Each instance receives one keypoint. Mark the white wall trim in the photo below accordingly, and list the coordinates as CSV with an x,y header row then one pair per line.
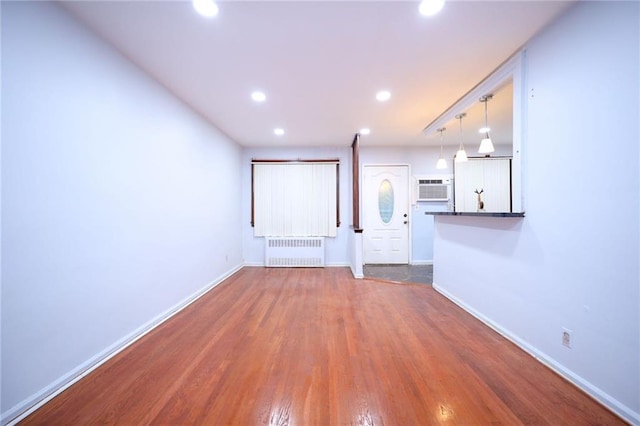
x,y
421,262
598,394
37,400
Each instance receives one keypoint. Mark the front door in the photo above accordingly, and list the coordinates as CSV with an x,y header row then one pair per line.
x,y
385,214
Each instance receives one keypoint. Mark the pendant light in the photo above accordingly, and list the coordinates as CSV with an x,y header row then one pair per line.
x,y
461,155
486,146
442,163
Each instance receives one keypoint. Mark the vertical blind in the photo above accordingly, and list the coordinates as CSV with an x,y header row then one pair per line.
x,y
295,199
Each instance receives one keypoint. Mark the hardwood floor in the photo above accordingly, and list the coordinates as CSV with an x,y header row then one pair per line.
x,y
316,347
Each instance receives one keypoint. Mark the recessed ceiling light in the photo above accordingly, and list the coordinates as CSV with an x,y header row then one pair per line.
x,y
365,131
430,7
278,131
207,8
258,96
383,95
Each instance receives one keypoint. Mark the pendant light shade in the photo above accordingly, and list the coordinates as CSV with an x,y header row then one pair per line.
x,y
486,145
442,163
461,155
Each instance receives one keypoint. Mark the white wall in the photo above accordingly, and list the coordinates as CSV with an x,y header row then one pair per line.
x,y
573,261
337,249
119,203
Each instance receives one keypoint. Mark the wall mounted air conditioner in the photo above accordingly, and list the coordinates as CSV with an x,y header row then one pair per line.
x,y
433,188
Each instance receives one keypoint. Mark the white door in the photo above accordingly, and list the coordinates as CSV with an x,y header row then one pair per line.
x,y
385,214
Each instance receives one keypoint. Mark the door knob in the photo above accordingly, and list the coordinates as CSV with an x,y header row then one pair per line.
x,y
405,222
405,215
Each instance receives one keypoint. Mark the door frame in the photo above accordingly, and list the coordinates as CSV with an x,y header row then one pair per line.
x,y
410,197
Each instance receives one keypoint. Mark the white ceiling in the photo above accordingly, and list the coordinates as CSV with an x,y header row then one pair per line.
x,y
321,62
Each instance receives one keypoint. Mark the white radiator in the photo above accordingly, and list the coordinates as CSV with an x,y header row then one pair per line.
x,y
288,252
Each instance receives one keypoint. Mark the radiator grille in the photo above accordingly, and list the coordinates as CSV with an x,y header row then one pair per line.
x,y
433,192
294,252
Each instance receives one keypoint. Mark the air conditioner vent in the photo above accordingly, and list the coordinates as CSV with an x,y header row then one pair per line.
x,y
433,188
433,192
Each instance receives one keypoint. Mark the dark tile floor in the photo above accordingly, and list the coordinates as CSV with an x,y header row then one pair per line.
x,y
422,274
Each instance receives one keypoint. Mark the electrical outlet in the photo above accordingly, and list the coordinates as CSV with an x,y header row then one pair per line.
x,y
566,337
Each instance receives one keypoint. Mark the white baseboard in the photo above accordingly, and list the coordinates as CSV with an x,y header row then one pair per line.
x,y
37,400
338,265
422,262
356,275
327,265
598,394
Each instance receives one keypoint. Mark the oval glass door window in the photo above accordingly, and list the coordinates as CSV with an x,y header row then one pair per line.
x,y
385,201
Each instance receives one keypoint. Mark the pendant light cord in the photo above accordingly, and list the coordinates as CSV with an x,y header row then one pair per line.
x,y
460,116
486,99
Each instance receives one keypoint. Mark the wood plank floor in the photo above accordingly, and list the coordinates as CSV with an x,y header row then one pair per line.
x,y
316,347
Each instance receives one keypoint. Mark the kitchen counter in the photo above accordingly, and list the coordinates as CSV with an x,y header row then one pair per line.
x,y
478,214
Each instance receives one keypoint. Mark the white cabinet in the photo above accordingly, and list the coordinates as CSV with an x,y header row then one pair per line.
x,y
483,185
